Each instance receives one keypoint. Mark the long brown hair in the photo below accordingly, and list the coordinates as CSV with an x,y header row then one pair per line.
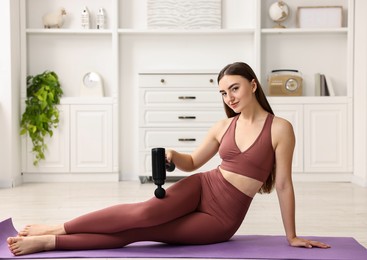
x,y
244,70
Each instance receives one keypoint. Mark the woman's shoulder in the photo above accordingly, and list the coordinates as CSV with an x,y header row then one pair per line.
x,y
281,126
281,122
282,134
220,127
224,123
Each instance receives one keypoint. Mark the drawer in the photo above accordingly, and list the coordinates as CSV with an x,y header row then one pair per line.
x,y
186,98
178,80
171,138
181,118
146,165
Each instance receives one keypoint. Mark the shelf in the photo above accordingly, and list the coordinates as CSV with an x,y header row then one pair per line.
x,y
140,31
235,31
309,100
199,31
67,31
87,100
179,71
303,30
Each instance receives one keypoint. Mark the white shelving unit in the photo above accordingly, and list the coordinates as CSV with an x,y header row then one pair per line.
x,y
85,145
323,125
126,48
176,110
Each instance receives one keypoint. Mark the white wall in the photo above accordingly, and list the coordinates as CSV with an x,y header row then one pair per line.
x,y
360,94
9,94
5,91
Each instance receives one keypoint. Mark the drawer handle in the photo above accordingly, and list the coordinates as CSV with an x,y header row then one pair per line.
x,y
187,117
186,139
186,97
211,80
163,81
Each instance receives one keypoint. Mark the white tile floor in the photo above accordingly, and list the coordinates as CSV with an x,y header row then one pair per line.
x,y
323,209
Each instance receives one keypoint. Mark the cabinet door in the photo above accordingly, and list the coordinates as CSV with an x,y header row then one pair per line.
x,y
57,154
326,138
91,138
294,114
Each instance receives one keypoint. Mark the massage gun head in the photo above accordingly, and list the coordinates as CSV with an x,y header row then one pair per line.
x,y
160,192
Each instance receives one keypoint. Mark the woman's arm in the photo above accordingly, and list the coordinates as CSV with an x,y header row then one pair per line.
x,y
202,154
285,142
284,147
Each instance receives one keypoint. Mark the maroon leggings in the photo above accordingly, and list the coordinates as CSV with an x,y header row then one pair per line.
x,y
200,209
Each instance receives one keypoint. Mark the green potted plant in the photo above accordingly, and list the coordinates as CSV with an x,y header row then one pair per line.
x,y
41,114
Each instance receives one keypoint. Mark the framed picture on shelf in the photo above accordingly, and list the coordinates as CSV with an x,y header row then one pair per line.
x,y
184,14
319,16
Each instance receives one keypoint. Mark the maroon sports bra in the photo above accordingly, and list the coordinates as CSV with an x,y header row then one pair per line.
x,y
255,162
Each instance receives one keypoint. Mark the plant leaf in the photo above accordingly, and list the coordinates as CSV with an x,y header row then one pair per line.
x,y
41,114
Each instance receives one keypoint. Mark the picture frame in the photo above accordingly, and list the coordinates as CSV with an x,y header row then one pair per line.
x,y
184,14
319,16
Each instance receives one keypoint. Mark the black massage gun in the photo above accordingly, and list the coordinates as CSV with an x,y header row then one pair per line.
x,y
159,167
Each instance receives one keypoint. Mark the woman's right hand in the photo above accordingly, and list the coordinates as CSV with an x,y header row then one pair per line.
x,y
169,155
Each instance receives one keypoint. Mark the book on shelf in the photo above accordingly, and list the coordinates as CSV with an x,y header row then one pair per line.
x,y
323,85
329,85
317,84
324,90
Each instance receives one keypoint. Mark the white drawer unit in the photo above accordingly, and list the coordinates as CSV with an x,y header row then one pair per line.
x,y
176,112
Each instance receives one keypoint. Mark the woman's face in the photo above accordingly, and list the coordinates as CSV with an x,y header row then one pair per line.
x,y
237,92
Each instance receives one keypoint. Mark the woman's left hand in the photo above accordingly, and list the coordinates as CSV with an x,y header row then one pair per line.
x,y
297,241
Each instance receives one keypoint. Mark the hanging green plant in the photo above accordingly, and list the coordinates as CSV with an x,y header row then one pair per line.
x,y
41,114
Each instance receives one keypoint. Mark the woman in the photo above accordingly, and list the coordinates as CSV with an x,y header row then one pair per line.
x,y
256,150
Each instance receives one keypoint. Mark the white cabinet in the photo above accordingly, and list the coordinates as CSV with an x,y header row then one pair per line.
x,y
85,145
294,114
326,138
176,112
57,154
322,125
323,138
91,138
81,144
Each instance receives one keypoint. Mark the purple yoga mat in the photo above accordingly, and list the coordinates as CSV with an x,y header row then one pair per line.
x,y
239,247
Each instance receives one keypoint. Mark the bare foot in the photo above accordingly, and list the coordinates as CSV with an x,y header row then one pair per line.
x,y
29,245
40,230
